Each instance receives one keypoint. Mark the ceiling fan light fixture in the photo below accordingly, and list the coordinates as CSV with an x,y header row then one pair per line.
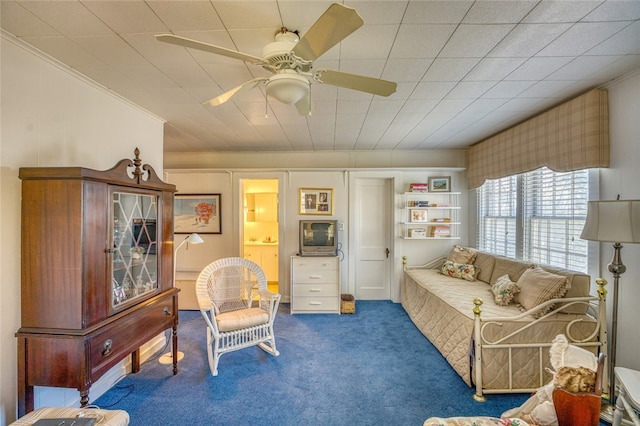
x,y
288,87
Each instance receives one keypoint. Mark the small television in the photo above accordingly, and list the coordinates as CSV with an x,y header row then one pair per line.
x,y
318,237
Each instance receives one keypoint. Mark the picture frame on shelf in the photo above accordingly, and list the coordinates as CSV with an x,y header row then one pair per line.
x,y
316,201
418,216
197,213
440,184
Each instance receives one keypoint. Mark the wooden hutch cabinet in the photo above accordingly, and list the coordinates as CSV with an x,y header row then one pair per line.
x,y
97,273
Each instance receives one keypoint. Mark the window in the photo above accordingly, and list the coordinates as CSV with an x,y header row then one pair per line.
x,y
536,216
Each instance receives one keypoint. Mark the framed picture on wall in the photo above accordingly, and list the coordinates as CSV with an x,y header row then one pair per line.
x,y
316,201
197,213
440,184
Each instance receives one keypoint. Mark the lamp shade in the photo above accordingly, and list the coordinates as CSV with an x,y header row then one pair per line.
x,y
615,221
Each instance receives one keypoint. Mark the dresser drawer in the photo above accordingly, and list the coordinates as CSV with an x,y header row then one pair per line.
x,y
315,277
315,263
319,304
315,290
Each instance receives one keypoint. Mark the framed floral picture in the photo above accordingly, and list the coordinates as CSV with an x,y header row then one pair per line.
x,y
197,213
316,201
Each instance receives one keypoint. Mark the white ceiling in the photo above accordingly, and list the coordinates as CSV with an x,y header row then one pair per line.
x,y
465,69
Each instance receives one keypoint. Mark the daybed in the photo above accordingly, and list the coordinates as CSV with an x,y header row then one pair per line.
x,y
501,348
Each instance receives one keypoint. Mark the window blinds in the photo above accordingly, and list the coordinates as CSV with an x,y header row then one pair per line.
x,y
536,216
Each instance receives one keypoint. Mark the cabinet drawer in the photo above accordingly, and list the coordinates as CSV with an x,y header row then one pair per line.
x,y
316,304
315,290
315,263
117,340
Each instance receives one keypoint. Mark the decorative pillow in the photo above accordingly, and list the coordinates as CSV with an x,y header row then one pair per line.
x,y
504,290
538,286
461,254
459,270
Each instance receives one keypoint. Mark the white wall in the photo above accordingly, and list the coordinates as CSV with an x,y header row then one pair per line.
x,y
623,177
53,117
227,183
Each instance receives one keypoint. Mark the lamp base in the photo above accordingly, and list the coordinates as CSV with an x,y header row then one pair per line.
x,y
168,358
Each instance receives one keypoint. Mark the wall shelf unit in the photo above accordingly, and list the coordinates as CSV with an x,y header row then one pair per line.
x,y
430,215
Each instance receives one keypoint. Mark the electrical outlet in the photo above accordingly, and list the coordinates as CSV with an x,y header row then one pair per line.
x,y
340,226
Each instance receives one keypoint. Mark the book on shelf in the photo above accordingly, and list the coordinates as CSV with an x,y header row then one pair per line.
x,y
419,187
442,219
440,231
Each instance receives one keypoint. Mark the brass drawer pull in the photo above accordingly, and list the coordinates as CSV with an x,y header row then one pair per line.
x,y
107,347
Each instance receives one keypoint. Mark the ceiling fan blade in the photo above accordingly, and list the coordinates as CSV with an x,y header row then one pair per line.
x,y
335,24
218,100
361,83
305,106
194,44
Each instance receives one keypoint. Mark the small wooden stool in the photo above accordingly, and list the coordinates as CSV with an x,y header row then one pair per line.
x,y
103,417
629,396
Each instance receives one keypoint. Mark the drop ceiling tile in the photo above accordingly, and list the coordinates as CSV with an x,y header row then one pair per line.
x,y
127,17
373,41
421,41
538,68
451,105
111,50
188,76
186,15
627,41
379,12
432,90
528,39
493,69
583,67
472,41
22,23
580,38
619,10
249,14
405,70
470,89
548,89
561,11
450,69
353,107
69,18
507,89
436,12
498,12
66,51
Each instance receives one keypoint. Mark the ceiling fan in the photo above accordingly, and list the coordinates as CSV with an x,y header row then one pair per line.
x,y
290,59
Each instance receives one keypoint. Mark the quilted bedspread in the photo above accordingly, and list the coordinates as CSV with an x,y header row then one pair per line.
x,y
442,308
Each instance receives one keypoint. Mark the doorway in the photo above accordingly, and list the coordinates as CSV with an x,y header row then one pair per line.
x,y
373,230
260,226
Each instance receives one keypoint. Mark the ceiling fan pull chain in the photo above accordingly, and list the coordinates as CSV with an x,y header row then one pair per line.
x,y
266,107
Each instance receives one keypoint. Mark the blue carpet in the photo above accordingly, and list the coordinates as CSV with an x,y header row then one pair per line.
x,y
371,367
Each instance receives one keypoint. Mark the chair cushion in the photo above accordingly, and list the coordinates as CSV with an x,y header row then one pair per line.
x,y
242,318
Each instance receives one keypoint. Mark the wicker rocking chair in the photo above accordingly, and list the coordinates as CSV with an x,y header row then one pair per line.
x,y
237,307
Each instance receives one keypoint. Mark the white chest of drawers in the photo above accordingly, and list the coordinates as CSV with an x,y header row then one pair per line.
x,y
315,285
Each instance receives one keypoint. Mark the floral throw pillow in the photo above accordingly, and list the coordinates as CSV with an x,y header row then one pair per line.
x,y
459,270
504,290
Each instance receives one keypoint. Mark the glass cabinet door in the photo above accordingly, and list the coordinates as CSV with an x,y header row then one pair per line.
x,y
134,261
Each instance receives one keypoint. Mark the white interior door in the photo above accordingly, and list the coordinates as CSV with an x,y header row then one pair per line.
x,y
373,239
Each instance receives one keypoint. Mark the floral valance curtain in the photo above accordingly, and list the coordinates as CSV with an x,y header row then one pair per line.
x,y
571,136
